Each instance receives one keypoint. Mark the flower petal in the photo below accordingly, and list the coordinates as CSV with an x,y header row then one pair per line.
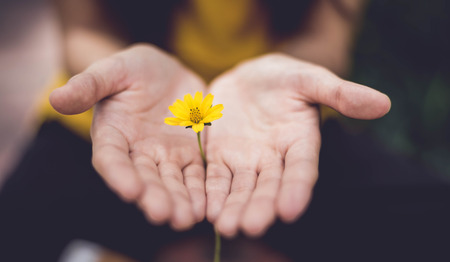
x,y
173,121
189,100
187,123
206,104
179,113
198,127
198,99
211,117
181,105
214,109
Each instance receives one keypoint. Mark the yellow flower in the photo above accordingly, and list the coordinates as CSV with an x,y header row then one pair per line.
x,y
194,112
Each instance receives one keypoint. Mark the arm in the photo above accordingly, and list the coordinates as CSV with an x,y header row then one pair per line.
x,y
89,33
328,35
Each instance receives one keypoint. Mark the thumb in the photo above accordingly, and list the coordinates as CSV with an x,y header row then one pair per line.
x,y
348,98
102,79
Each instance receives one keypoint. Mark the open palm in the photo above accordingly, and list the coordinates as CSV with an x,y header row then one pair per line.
x,y
140,157
263,155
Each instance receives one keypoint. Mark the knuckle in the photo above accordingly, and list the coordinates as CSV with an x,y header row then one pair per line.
x,y
264,200
338,95
241,187
89,83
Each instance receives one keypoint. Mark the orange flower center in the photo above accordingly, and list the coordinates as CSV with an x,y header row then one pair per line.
x,y
195,115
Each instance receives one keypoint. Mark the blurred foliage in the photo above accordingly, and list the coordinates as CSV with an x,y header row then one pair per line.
x,y
403,51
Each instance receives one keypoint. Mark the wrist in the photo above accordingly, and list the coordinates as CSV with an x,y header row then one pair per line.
x,y
83,47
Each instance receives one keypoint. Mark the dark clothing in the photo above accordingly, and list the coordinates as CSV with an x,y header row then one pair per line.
x,y
149,21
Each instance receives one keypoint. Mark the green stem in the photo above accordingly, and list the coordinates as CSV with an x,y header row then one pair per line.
x,y
217,249
201,148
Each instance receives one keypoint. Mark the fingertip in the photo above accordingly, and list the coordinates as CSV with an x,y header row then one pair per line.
x,y
385,105
198,206
183,218
255,224
57,100
156,219
227,225
130,190
157,206
199,211
292,203
77,95
53,97
253,229
129,187
212,211
355,100
376,107
254,232
226,228
182,225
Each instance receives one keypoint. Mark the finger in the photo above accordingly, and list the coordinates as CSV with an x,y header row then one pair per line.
x,y
351,99
156,201
102,79
111,160
299,176
183,215
194,179
260,211
218,182
242,187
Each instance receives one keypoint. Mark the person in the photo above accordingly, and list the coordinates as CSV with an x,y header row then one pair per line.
x,y
263,155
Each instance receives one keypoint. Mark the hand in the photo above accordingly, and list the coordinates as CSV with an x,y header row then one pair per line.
x,y
263,154
140,157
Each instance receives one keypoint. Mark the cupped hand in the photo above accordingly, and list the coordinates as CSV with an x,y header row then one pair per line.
x,y
263,154
141,158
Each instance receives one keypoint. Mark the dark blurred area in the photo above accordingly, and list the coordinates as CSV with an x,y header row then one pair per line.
x,y
404,51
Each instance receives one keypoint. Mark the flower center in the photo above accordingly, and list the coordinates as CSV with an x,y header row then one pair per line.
x,y
195,115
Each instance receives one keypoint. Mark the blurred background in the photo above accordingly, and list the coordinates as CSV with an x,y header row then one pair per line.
x,y
413,69
402,50
29,57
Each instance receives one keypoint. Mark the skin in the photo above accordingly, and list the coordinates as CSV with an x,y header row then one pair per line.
x,y
145,161
262,155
